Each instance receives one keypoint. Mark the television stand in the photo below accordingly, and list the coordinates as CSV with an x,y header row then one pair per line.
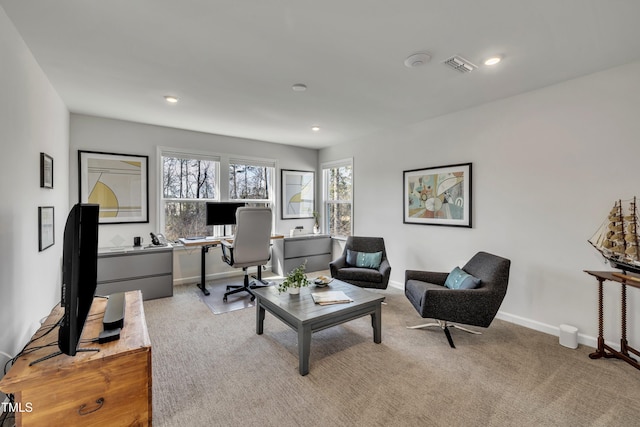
x,y
58,353
112,387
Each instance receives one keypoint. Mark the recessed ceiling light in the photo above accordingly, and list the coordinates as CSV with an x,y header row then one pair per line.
x,y
299,87
492,60
315,128
171,99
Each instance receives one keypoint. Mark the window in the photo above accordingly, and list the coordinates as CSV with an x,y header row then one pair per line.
x,y
338,197
188,183
191,179
250,180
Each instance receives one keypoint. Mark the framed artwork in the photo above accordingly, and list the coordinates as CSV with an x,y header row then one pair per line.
x,y
119,183
298,192
46,235
46,171
438,196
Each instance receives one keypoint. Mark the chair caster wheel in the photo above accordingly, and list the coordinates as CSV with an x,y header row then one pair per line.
x,y
253,298
224,299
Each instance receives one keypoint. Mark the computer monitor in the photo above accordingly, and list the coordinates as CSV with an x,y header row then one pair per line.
x,y
222,213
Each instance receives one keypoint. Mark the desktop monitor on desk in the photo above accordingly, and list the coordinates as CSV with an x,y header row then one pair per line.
x,y
222,213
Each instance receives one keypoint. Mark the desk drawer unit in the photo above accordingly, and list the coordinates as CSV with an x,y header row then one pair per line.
x,y
292,252
150,270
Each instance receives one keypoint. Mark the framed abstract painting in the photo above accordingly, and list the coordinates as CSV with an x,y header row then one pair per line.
x,y
438,195
118,183
298,194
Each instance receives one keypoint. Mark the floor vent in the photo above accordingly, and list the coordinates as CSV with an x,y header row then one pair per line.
x,y
460,64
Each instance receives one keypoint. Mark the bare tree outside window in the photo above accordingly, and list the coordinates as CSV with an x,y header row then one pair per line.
x,y
187,184
249,182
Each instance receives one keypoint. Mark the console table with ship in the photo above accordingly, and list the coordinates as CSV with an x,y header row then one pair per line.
x,y
111,386
603,349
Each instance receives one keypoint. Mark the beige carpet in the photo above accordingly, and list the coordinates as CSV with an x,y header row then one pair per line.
x,y
213,370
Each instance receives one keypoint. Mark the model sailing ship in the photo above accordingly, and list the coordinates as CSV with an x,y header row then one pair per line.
x,y
617,239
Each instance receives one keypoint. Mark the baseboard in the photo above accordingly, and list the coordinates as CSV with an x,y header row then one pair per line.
x,y
549,329
396,285
220,275
209,276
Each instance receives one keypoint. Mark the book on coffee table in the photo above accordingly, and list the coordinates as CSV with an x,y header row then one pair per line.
x,y
330,297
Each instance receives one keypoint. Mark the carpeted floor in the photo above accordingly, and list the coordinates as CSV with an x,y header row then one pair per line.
x,y
214,370
217,289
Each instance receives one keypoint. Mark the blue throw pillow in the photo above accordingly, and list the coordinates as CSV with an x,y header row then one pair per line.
x,y
460,279
364,259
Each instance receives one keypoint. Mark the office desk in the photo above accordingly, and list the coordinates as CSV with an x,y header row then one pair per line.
x,y
205,244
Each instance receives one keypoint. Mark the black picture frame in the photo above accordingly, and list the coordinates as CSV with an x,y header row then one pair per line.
x,y
46,227
46,171
440,195
119,183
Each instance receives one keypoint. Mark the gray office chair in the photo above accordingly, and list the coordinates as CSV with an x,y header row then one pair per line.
x,y
428,295
250,246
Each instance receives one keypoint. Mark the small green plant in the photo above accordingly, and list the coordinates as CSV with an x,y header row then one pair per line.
x,y
295,279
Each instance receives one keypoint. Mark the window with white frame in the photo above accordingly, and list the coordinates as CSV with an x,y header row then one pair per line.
x,y
338,197
189,181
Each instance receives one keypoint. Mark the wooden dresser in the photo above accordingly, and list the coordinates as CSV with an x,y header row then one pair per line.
x,y
110,387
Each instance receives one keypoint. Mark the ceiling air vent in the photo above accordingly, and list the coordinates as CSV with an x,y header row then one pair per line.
x,y
458,63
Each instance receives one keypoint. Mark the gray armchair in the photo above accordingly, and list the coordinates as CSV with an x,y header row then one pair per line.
x,y
478,307
359,276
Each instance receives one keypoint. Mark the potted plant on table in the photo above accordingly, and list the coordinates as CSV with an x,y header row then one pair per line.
x,y
295,280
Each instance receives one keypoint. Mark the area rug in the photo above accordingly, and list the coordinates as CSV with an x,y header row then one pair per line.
x,y
217,288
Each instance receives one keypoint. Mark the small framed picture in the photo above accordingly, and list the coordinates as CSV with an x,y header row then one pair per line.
x,y
46,224
46,171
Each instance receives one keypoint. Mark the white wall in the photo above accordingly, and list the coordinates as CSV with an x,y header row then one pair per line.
x,y
33,119
547,167
117,136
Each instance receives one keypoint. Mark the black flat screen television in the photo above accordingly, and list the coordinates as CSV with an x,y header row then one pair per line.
x,y
222,213
79,271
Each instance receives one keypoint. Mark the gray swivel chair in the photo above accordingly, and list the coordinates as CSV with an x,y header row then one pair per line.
x,y
478,307
378,278
251,246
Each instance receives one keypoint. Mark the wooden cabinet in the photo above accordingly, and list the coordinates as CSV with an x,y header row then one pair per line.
x,y
149,269
109,387
291,252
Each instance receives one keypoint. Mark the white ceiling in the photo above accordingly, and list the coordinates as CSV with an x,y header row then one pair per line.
x,y
232,62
